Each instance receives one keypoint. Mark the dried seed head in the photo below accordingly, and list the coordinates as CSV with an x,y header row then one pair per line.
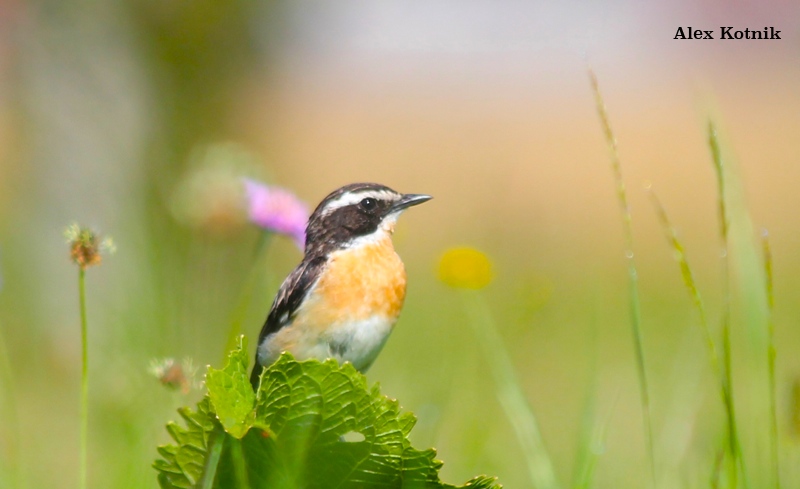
x,y
174,375
86,246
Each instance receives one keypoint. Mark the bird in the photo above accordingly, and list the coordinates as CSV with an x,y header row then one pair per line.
x,y
343,299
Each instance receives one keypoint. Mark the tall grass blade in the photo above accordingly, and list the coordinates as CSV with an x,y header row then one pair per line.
x,y
743,275
239,313
592,442
633,276
679,253
11,411
773,402
587,450
509,392
720,374
734,445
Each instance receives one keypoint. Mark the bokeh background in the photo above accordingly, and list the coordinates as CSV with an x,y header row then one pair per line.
x,y
133,116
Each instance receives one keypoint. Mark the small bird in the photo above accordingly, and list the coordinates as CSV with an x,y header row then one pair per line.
x,y
345,296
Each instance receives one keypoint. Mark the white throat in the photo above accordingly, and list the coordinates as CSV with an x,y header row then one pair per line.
x,y
384,232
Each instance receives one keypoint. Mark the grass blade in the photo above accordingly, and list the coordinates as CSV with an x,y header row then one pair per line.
x,y
744,276
592,443
773,402
633,276
723,374
734,444
239,313
679,253
12,465
587,452
509,392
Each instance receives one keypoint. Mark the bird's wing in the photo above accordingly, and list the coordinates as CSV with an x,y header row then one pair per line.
x,y
291,294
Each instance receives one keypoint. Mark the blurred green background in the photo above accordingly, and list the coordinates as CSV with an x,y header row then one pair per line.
x,y
131,116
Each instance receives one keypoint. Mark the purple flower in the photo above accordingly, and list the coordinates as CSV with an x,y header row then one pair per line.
x,y
276,209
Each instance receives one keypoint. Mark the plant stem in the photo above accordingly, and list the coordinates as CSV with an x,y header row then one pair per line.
x,y
215,445
239,469
730,411
633,276
734,444
721,372
84,378
776,464
12,414
509,392
239,313
688,279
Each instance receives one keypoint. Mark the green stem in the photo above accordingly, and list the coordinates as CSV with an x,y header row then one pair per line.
x,y
721,372
239,469
734,443
12,412
730,412
688,279
633,276
239,313
509,392
644,389
586,457
776,464
84,378
215,444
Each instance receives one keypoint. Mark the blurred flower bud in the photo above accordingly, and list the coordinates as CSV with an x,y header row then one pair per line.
x,y
465,268
277,210
209,196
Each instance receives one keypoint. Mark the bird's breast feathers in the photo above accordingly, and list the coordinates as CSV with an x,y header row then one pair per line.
x,y
350,310
365,280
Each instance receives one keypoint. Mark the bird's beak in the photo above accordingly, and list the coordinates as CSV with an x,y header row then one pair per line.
x,y
407,200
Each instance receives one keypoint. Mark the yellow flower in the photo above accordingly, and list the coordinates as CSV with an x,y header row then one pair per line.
x,y
465,268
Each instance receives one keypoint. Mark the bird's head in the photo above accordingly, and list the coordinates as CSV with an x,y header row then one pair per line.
x,y
356,212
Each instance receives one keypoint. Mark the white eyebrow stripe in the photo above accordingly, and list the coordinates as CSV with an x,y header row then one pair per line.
x,y
351,198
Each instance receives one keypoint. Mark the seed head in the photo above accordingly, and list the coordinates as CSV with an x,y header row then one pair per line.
x,y
87,246
174,375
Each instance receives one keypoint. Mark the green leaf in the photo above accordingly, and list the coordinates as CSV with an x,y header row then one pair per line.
x,y
181,465
230,392
294,431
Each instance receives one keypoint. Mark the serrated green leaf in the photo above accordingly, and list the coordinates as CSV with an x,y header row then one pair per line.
x,y
181,465
293,433
482,482
230,392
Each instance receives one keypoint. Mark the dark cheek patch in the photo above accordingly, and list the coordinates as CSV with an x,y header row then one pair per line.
x,y
341,226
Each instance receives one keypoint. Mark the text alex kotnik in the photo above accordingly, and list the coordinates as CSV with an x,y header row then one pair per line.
x,y
727,33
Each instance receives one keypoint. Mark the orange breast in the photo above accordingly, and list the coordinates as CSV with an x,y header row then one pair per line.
x,y
360,283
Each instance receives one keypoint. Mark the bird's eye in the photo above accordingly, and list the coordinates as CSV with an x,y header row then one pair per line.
x,y
368,204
